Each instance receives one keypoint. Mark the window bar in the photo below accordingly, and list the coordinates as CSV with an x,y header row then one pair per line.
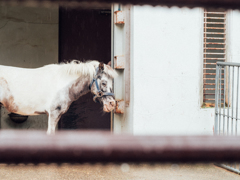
x,y
232,99
215,59
216,101
215,12
224,99
228,100
220,99
224,34
237,101
215,43
205,60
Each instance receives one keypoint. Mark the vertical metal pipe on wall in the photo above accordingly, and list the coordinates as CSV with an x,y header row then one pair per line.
x,y
228,100
237,100
224,98
232,99
216,101
220,97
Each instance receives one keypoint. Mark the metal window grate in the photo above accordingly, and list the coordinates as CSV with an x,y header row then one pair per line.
x,y
214,50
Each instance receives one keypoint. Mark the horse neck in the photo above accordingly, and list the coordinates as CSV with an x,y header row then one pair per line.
x,y
79,88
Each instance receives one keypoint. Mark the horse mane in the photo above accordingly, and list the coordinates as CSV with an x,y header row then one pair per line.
x,y
87,68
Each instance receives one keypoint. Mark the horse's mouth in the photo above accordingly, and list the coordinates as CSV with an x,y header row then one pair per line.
x,y
107,109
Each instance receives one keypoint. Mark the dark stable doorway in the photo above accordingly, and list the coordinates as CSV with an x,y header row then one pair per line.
x,y
85,34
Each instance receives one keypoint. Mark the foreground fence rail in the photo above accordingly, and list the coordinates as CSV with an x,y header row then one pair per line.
x,y
233,4
80,147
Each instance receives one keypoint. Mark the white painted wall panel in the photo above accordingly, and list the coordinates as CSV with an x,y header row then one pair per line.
x,y
167,58
233,36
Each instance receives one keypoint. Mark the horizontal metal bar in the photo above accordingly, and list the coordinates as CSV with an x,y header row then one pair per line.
x,y
213,38
215,23
212,84
215,58
228,64
214,33
214,48
213,94
80,147
205,99
209,104
214,53
210,63
213,74
206,12
208,99
214,18
212,79
235,4
211,89
214,43
213,69
213,27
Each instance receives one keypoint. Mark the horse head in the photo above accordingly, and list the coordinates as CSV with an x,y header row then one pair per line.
x,y
102,87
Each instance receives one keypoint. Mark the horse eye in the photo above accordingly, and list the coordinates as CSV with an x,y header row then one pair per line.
x,y
104,84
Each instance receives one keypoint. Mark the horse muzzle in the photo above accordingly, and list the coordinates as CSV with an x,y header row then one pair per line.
x,y
110,106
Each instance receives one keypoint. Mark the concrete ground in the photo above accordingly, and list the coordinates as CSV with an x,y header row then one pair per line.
x,y
115,172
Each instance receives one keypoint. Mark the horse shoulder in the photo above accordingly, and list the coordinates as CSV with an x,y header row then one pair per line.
x,y
6,97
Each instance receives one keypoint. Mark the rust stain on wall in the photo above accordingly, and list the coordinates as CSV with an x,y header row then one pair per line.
x,y
119,107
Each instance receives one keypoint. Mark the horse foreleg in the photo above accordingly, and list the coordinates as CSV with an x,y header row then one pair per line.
x,y
53,119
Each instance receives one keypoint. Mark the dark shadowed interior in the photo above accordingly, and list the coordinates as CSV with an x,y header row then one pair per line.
x,y
85,35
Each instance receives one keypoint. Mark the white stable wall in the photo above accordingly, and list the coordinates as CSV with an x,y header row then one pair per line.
x,y
167,69
233,36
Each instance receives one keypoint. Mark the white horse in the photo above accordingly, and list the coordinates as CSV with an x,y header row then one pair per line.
x,y
52,88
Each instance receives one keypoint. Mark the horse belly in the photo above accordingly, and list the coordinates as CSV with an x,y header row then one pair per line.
x,y
31,107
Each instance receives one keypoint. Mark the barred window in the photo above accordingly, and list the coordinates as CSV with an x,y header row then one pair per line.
x,y
214,50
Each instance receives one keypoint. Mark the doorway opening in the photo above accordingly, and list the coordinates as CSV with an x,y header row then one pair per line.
x,y
85,34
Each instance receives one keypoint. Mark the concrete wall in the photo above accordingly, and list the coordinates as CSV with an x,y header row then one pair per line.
x,y
28,38
233,36
167,69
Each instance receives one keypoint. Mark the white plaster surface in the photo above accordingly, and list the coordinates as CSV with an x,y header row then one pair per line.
x,y
233,36
167,57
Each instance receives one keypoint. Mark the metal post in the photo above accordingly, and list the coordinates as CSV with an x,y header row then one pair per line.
x,y
237,101
220,98
232,99
216,100
224,101
228,100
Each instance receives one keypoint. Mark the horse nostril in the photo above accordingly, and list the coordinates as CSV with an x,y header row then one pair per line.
x,y
112,103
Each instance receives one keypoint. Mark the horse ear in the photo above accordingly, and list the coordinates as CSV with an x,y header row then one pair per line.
x,y
109,63
101,66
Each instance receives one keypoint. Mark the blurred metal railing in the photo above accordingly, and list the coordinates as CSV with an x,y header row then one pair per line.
x,y
227,4
79,147
226,103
